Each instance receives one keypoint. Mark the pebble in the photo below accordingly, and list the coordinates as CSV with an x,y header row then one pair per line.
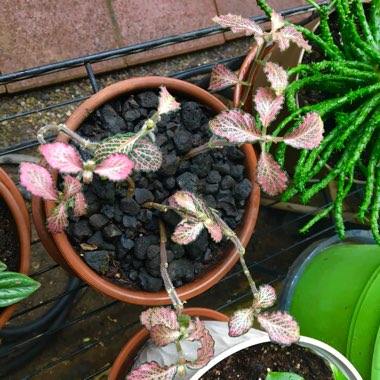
x,y
111,232
97,260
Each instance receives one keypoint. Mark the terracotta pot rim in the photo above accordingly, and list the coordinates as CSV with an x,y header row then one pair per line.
x,y
14,200
249,219
133,346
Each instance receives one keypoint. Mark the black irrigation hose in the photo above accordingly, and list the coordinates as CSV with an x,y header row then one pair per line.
x,y
45,319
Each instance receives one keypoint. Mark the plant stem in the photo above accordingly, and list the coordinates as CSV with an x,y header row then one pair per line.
x,y
131,187
212,144
62,128
169,287
230,235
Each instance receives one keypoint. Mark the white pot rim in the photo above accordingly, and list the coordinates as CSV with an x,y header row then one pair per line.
x,y
323,349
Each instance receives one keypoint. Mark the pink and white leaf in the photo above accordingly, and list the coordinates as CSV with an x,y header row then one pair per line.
x,y
204,353
222,77
290,34
240,322
236,126
277,21
187,201
267,104
186,232
308,135
196,329
159,316
146,156
153,371
80,205
214,230
62,156
57,220
270,176
265,297
115,167
281,327
71,187
166,102
38,181
162,335
239,24
277,77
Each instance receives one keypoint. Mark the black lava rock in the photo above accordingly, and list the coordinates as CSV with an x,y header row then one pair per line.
x,y
243,189
81,230
234,153
108,211
123,246
178,251
111,232
227,182
148,99
196,249
181,269
191,115
170,164
213,177
223,169
148,282
211,188
129,221
152,252
98,221
169,183
97,240
210,201
143,195
112,122
131,115
129,206
207,257
188,181
145,215
237,171
153,265
201,165
104,189
97,260
93,204
183,141
142,243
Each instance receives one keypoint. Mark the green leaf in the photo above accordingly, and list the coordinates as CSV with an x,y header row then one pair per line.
x,y
337,374
283,376
14,287
184,320
2,266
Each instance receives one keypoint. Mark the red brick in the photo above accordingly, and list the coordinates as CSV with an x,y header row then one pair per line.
x,y
145,20
39,32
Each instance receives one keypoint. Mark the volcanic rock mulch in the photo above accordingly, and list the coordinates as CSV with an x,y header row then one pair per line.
x,y
9,240
124,233
253,364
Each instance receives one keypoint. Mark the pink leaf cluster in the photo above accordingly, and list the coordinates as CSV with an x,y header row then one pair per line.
x,y
152,370
289,34
159,316
192,224
222,77
166,102
265,297
204,353
281,327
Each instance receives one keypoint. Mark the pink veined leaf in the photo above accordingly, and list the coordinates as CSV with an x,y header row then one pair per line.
x,y
186,200
162,335
159,316
277,21
80,205
281,327
277,77
57,220
239,24
62,156
308,135
71,187
186,232
204,353
166,102
266,297
290,34
235,126
270,176
222,77
196,329
214,230
267,104
146,156
38,181
116,167
240,322
153,371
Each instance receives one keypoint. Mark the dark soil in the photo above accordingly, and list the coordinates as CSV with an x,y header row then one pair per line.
x,y
9,241
254,362
124,234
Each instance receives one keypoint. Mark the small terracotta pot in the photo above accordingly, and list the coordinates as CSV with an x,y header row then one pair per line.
x,y
13,198
124,361
66,251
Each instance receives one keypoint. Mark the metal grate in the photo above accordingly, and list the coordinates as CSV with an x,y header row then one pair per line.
x,y
68,331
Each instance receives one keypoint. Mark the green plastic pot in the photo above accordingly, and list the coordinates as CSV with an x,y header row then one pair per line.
x,y
333,292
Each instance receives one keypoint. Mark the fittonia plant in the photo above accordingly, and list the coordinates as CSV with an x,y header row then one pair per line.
x,y
236,127
167,326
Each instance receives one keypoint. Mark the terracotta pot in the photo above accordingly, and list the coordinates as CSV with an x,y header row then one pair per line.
x,y
124,361
13,198
71,257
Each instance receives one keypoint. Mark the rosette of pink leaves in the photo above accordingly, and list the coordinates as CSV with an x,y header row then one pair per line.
x,y
165,327
281,327
39,182
239,127
196,216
